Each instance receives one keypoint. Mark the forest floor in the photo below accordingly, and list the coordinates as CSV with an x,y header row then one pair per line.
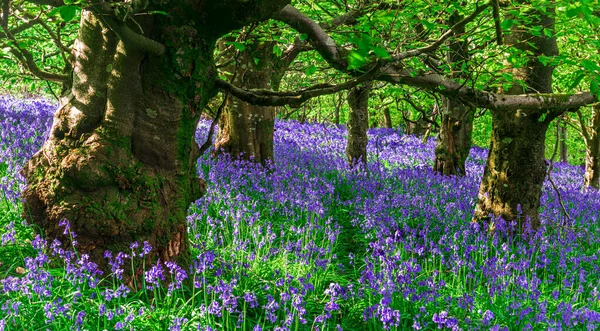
x,y
311,245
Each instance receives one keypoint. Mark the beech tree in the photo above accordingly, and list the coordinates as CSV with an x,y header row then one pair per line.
x,y
120,161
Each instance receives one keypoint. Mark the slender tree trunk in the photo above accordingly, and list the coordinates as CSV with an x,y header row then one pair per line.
x,y
592,155
358,122
120,161
515,169
388,117
247,130
338,105
455,137
564,155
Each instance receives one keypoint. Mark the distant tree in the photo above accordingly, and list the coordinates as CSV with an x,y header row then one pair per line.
x,y
358,123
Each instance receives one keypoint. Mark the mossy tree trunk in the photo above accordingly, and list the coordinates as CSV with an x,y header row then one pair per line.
x,y
454,139
592,155
358,123
515,169
120,162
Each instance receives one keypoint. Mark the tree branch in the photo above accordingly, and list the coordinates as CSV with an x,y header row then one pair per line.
x,y
264,97
129,36
394,72
27,60
420,110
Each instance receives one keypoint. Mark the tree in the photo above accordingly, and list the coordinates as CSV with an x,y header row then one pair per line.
x,y
455,135
120,162
246,130
358,123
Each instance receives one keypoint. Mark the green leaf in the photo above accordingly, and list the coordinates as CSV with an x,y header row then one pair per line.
x,y
303,37
507,24
594,87
239,46
355,60
310,70
381,53
67,13
277,50
109,68
574,11
577,80
428,24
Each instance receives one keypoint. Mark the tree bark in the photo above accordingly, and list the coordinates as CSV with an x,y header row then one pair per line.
x,y
455,137
515,169
120,162
387,117
358,123
592,155
564,154
246,130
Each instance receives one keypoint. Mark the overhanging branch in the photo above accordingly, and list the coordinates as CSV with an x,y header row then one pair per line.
x,y
262,97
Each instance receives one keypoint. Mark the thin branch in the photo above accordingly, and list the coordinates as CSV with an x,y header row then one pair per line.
x,y
436,44
27,60
206,145
560,200
420,110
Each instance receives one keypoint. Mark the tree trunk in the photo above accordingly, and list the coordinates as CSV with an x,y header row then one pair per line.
x,y
564,155
246,130
455,137
592,155
338,105
387,117
120,162
358,122
515,169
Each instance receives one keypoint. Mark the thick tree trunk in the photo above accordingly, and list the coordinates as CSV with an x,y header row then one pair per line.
x,y
455,137
387,117
120,162
592,155
515,169
358,122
